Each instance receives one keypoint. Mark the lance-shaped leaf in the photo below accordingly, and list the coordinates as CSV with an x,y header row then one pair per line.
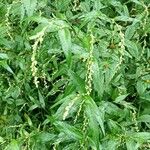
x,y
65,40
93,111
69,130
98,79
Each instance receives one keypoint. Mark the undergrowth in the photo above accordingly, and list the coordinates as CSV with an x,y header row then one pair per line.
x,y
74,74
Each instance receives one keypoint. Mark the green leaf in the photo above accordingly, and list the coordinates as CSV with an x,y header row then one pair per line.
x,y
16,92
90,15
30,6
71,146
130,31
58,25
4,56
98,79
13,145
6,66
77,81
63,5
113,127
45,137
64,99
28,119
1,139
137,2
69,130
132,145
110,144
94,112
144,118
65,39
141,136
145,96
71,104
33,107
94,131
6,43
141,87
98,5
132,48
41,99
34,101
38,32
110,72
124,18
120,98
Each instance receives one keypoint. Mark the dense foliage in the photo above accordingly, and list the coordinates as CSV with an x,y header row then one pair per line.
x,y
74,74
